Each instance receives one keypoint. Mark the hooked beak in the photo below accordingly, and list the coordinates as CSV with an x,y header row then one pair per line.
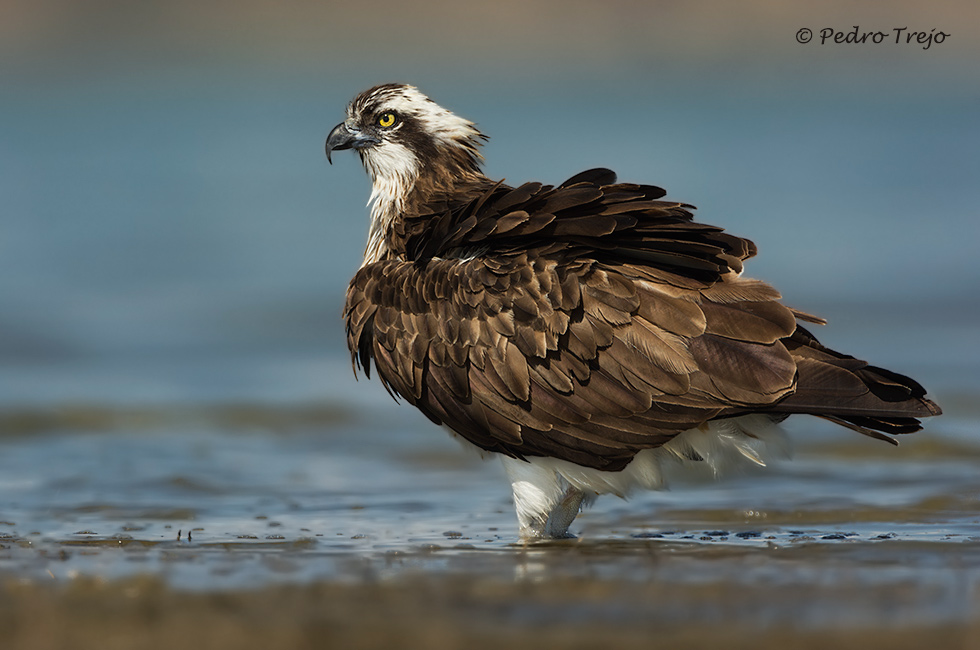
x,y
341,138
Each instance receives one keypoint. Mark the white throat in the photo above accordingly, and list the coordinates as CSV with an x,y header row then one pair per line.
x,y
394,170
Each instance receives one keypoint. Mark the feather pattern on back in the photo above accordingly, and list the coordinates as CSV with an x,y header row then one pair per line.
x,y
592,320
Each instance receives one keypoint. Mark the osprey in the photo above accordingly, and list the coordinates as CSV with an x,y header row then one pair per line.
x,y
584,332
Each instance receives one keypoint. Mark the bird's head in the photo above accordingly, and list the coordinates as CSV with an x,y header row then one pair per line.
x,y
402,135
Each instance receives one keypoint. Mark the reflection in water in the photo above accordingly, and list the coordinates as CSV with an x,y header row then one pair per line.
x,y
210,497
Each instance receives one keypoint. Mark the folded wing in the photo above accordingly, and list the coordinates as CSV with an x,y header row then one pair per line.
x,y
592,320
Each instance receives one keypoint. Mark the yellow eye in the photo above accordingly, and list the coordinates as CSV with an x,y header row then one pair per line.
x,y
386,119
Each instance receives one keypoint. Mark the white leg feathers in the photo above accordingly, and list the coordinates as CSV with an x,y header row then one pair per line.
x,y
548,493
546,503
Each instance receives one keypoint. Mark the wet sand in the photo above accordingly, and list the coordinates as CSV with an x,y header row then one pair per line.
x,y
439,611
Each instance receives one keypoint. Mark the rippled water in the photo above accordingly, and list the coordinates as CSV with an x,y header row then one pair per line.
x,y
242,496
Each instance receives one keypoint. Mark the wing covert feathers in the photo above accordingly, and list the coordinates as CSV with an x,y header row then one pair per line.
x,y
592,320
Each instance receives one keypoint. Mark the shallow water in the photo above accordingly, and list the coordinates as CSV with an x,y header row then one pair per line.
x,y
234,497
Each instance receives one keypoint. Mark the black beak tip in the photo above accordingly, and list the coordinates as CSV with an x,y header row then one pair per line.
x,y
339,138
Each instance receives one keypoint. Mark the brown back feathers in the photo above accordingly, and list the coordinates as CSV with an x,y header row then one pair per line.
x,y
592,320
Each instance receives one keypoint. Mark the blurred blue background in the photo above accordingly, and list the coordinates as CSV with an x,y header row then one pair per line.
x,y
171,231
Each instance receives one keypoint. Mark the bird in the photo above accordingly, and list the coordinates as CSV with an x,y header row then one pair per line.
x,y
586,333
